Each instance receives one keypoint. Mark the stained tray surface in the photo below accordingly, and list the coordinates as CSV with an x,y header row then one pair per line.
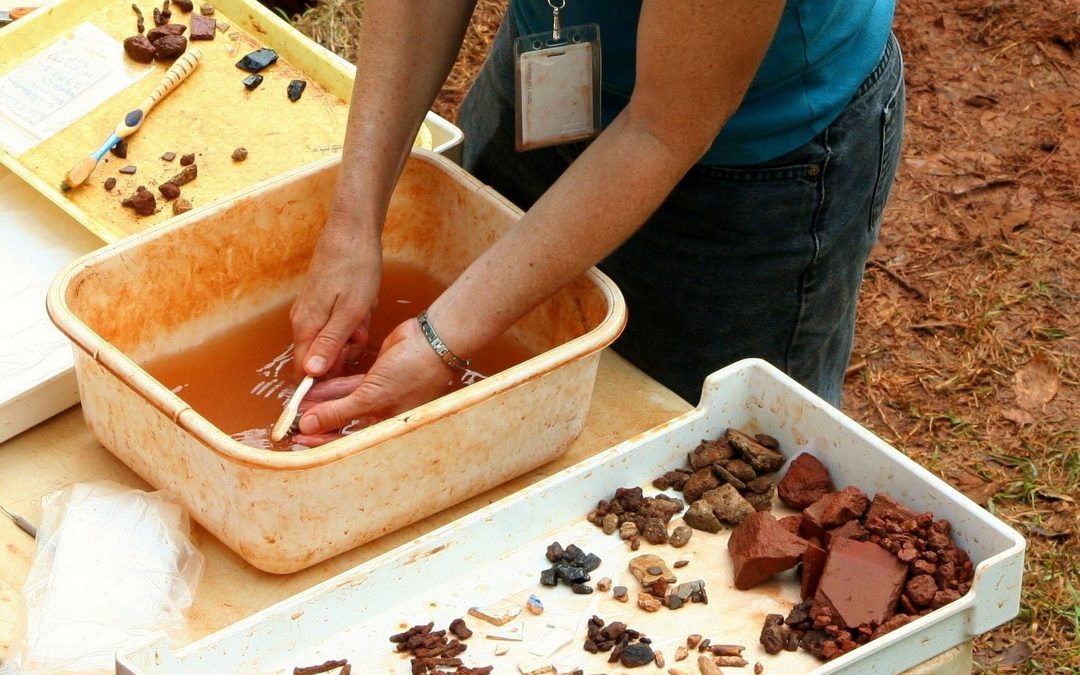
x,y
210,114
496,554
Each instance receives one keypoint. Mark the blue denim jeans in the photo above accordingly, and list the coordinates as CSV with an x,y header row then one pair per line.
x,y
760,261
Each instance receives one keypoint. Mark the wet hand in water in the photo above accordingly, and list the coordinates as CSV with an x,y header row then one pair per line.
x,y
407,373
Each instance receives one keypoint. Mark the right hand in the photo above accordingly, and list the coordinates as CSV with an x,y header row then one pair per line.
x,y
334,307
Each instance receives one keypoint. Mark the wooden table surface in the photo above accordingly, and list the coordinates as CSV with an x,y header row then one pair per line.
x,y
62,450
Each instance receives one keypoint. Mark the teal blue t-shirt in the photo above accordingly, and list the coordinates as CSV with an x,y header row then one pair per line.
x,y
822,51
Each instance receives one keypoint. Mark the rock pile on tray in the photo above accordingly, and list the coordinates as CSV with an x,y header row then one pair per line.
x,y
628,647
868,565
635,516
725,482
571,566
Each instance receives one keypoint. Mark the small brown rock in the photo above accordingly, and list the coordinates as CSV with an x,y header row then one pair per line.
x,y
739,469
921,590
142,201
680,563
110,183
187,159
169,47
628,530
648,602
655,531
709,452
206,9
762,458
604,585
129,169
159,32
758,668
701,482
239,155
611,523
184,5
700,517
806,481
138,48
169,191
680,537
728,505
619,593
180,206
186,175
693,640
460,630
681,652
203,27
169,156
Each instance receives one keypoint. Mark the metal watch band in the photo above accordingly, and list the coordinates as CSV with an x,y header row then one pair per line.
x,y
448,357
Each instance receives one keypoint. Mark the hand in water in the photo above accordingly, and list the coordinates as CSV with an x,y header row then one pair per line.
x,y
407,373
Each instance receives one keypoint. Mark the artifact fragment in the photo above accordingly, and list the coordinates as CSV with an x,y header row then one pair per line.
x,y
760,547
203,27
180,206
186,175
497,614
257,60
142,202
169,47
110,183
169,191
296,89
138,48
239,154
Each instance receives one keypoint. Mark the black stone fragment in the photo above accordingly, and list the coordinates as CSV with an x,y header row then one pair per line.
x,y
547,577
636,654
119,149
251,82
257,60
590,562
581,589
570,573
296,90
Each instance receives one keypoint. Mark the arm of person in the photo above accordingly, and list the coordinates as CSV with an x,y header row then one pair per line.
x,y
695,61
406,51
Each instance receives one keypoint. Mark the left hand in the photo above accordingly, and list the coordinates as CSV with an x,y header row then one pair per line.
x,y
406,373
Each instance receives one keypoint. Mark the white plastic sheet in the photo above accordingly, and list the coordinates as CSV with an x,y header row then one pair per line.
x,y
113,565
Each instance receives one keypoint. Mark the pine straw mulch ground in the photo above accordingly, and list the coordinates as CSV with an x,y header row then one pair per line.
x,y
966,347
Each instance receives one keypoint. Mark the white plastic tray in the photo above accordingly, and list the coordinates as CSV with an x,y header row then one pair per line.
x,y
497,552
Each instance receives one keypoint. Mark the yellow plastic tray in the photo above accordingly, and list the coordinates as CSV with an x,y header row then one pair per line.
x,y
210,114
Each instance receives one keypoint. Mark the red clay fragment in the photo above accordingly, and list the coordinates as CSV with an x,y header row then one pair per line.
x,y
806,481
761,547
813,564
860,585
886,509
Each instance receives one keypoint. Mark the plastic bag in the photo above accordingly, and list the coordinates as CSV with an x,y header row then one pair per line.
x,y
113,565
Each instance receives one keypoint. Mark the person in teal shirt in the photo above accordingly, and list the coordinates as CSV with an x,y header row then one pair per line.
x,y
734,193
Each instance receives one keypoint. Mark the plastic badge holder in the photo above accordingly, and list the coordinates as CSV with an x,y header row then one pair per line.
x,y
557,86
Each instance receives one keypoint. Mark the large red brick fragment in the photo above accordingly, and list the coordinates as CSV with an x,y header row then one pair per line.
x,y
860,585
848,504
806,481
761,547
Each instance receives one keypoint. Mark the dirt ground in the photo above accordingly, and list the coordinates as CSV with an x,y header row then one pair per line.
x,y
967,342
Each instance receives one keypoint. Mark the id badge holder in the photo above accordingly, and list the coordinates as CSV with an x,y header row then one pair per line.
x,y
557,86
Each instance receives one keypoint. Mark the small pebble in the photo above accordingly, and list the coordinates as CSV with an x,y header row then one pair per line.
x,y
680,563
206,9
110,183
169,191
169,156
186,175
604,585
620,593
129,169
251,82
187,159
610,523
758,668
296,90
534,605
581,589
184,5
181,205
222,26
239,154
